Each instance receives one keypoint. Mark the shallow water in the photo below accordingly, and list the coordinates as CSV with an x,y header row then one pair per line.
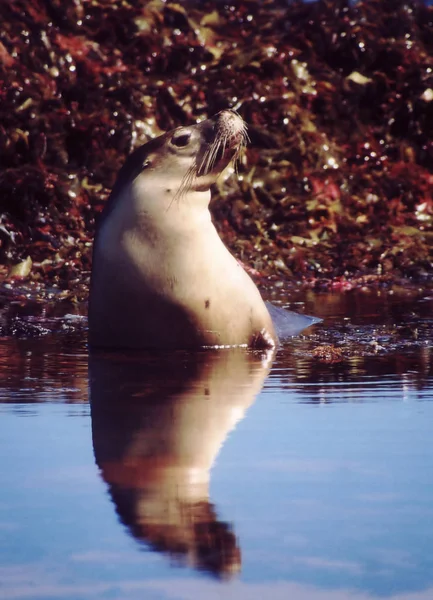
x,y
224,475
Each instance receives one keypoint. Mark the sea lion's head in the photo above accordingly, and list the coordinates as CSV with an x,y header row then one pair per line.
x,y
182,161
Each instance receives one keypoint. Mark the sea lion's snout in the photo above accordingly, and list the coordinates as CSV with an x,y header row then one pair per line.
x,y
224,137
231,127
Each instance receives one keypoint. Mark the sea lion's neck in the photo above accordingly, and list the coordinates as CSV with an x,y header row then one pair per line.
x,y
174,216
163,218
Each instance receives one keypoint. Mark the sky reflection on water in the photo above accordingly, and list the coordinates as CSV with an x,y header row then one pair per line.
x,y
324,479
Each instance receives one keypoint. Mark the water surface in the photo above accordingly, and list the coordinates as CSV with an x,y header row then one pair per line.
x,y
224,475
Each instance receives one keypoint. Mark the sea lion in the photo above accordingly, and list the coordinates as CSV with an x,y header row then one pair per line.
x,y
161,276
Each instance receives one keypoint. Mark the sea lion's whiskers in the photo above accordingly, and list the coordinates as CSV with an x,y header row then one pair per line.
x,y
209,157
213,154
187,181
224,143
204,166
185,185
204,159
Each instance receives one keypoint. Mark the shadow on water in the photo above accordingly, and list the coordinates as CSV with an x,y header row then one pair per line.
x,y
158,423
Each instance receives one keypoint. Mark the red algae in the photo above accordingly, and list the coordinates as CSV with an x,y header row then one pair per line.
x,y
335,189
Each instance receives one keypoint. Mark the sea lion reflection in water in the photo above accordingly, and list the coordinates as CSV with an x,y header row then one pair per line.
x,y
162,277
156,438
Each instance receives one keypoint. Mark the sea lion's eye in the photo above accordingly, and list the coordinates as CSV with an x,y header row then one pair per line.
x,y
181,139
146,164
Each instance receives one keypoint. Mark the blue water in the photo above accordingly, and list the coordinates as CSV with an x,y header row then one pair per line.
x,y
320,485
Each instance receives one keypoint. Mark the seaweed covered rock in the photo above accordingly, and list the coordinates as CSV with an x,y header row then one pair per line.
x,y
336,183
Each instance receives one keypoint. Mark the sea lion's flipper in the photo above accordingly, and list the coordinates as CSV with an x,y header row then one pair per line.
x,y
288,323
